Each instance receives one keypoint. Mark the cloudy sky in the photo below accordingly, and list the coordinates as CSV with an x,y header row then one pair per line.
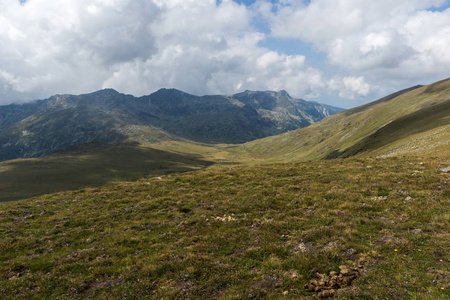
x,y
339,52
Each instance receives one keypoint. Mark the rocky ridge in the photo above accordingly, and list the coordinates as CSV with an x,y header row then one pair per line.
x,y
106,116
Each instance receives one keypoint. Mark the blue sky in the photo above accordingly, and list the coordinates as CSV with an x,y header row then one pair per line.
x,y
340,52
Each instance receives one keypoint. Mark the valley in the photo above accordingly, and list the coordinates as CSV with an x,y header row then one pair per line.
x,y
362,195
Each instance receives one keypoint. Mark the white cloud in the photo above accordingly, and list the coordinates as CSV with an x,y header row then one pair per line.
x,y
209,46
350,88
387,42
354,86
199,46
58,47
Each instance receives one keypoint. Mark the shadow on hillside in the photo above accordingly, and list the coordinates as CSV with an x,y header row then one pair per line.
x,y
420,121
90,166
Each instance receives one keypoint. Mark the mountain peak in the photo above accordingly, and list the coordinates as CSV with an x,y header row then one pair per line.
x,y
109,116
105,92
284,93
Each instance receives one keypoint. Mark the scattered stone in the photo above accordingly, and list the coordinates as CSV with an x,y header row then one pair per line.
x,y
326,294
100,283
305,247
389,239
446,170
292,274
307,210
266,282
226,218
379,198
330,245
326,285
184,286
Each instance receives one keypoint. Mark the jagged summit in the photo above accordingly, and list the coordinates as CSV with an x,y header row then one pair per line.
x,y
107,116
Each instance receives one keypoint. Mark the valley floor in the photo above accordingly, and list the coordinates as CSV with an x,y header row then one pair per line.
x,y
238,232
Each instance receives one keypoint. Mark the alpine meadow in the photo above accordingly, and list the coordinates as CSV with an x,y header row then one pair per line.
x,y
225,149
354,206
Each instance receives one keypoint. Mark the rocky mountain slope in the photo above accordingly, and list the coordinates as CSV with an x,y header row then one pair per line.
x,y
43,127
414,121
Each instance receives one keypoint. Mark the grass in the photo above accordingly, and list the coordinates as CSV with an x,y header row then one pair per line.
x,y
237,232
372,129
139,223
96,165
425,120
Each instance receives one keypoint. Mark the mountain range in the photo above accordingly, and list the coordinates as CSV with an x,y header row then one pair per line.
x,y
42,127
354,206
107,137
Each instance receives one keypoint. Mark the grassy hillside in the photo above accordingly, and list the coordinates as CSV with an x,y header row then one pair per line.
x,y
353,228
139,224
93,165
411,122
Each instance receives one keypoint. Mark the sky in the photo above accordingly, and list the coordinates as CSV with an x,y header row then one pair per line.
x,y
339,52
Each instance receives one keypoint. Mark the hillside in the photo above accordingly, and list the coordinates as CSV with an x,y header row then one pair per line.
x,y
43,127
415,121
91,165
353,229
371,226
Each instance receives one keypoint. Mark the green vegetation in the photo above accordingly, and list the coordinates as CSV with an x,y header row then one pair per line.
x,y
237,232
253,221
95,165
415,122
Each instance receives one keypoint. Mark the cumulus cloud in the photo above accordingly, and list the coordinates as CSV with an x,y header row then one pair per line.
x,y
138,47
50,47
214,47
388,42
350,88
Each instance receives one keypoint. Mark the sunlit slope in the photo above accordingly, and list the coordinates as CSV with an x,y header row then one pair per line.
x,y
93,165
415,122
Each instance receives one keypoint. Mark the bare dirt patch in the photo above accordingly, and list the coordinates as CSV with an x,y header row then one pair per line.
x,y
100,283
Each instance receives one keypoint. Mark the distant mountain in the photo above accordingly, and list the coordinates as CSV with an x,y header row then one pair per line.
x,y
413,121
45,126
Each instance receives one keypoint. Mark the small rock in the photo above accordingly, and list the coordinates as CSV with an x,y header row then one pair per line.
x,y
309,287
326,285
344,270
292,274
446,170
326,294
